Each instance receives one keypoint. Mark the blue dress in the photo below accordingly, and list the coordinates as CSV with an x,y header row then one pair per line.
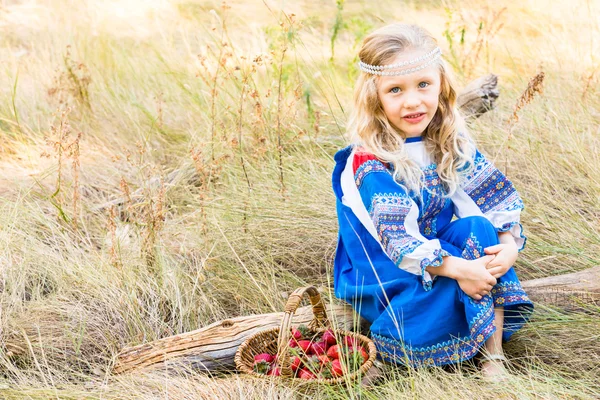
x,y
388,237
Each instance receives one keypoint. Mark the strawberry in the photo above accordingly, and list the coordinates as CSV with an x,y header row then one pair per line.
x,y
356,357
323,359
306,374
296,334
275,371
261,367
360,350
304,331
292,343
264,357
296,362
336,368
319,348
350,341
329,338
306,346
333,352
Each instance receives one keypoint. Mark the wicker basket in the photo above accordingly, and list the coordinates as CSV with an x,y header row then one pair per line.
x,y
276,340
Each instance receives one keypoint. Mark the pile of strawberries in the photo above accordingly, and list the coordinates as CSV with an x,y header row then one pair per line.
x,y
316,356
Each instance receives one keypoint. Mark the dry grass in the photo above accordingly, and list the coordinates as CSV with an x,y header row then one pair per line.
x,y
216,132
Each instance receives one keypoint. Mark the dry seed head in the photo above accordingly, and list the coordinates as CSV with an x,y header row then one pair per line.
x,y
535,86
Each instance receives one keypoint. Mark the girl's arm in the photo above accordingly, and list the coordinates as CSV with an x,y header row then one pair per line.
x,y
471,275
451,267
505,254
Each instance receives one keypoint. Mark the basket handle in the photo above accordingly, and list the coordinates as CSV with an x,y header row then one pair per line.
x,y
319,321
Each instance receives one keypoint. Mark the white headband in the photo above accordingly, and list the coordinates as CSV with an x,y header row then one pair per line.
x,y
380,69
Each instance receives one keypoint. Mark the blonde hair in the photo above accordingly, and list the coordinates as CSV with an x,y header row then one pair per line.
x,y
445,136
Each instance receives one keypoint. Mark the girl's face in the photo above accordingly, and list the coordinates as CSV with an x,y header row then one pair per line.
x,y
410,101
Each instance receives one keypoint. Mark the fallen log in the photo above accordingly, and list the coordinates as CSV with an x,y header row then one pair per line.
x,y
569,292
479,96
213,347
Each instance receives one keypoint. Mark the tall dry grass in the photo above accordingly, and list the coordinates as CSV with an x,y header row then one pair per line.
x,y
167,164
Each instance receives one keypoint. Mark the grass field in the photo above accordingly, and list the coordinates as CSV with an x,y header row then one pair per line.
x,y
166,164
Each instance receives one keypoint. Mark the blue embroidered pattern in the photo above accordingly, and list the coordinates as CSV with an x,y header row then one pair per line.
x,y
366,168
452,351
435,261
435,201
509,293
388,212
471,248
489,188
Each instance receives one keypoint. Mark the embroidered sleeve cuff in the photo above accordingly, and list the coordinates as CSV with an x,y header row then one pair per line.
x,y
428,254
516,230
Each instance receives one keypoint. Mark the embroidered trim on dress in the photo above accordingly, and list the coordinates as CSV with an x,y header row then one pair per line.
x,y
435,203
481,327
451,351
508,226
388,213
366,168
472,248
436,261
509,293
490,189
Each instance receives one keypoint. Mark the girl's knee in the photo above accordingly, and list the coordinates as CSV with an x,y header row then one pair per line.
x,y
482,229
479,223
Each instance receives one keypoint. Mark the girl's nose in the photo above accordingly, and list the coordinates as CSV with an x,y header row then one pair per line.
x,y
412,100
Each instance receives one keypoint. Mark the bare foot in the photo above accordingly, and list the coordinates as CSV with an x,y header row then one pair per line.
x,y
493,368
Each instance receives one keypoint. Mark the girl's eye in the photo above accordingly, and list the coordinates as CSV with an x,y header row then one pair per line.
x,y
423,85
395,90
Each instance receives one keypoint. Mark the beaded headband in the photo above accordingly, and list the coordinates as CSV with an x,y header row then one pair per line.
x,y
384,70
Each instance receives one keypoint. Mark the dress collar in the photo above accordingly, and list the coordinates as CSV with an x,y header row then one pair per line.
x,y
414,139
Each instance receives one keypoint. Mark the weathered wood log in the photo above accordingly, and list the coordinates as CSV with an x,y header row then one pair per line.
x,y
213,347
479,96
569,291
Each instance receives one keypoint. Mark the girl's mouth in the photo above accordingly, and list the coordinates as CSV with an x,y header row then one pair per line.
x,y
414,118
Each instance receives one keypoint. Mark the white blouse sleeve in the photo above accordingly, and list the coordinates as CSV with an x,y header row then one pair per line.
x,y
487,192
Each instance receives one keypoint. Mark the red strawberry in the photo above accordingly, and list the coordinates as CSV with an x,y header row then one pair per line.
x,y
356,357
350,341
360,350
323,359
275,371
304,331
296,362
336,368
329,337
292,343
306,346
296,334
319,348
333,352
264,357
306,374
261,367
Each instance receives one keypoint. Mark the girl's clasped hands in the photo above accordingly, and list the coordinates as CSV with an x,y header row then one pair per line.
x,y
477,277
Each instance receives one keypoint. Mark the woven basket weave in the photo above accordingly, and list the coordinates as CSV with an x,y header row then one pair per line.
x,y
276,340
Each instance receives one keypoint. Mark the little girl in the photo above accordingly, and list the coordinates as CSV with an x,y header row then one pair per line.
x,y
435,289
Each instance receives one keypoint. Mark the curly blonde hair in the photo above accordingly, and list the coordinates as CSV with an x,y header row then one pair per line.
x,y
445,136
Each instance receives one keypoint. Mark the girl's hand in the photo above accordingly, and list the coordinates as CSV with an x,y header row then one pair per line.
x,y
474,278
505,256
